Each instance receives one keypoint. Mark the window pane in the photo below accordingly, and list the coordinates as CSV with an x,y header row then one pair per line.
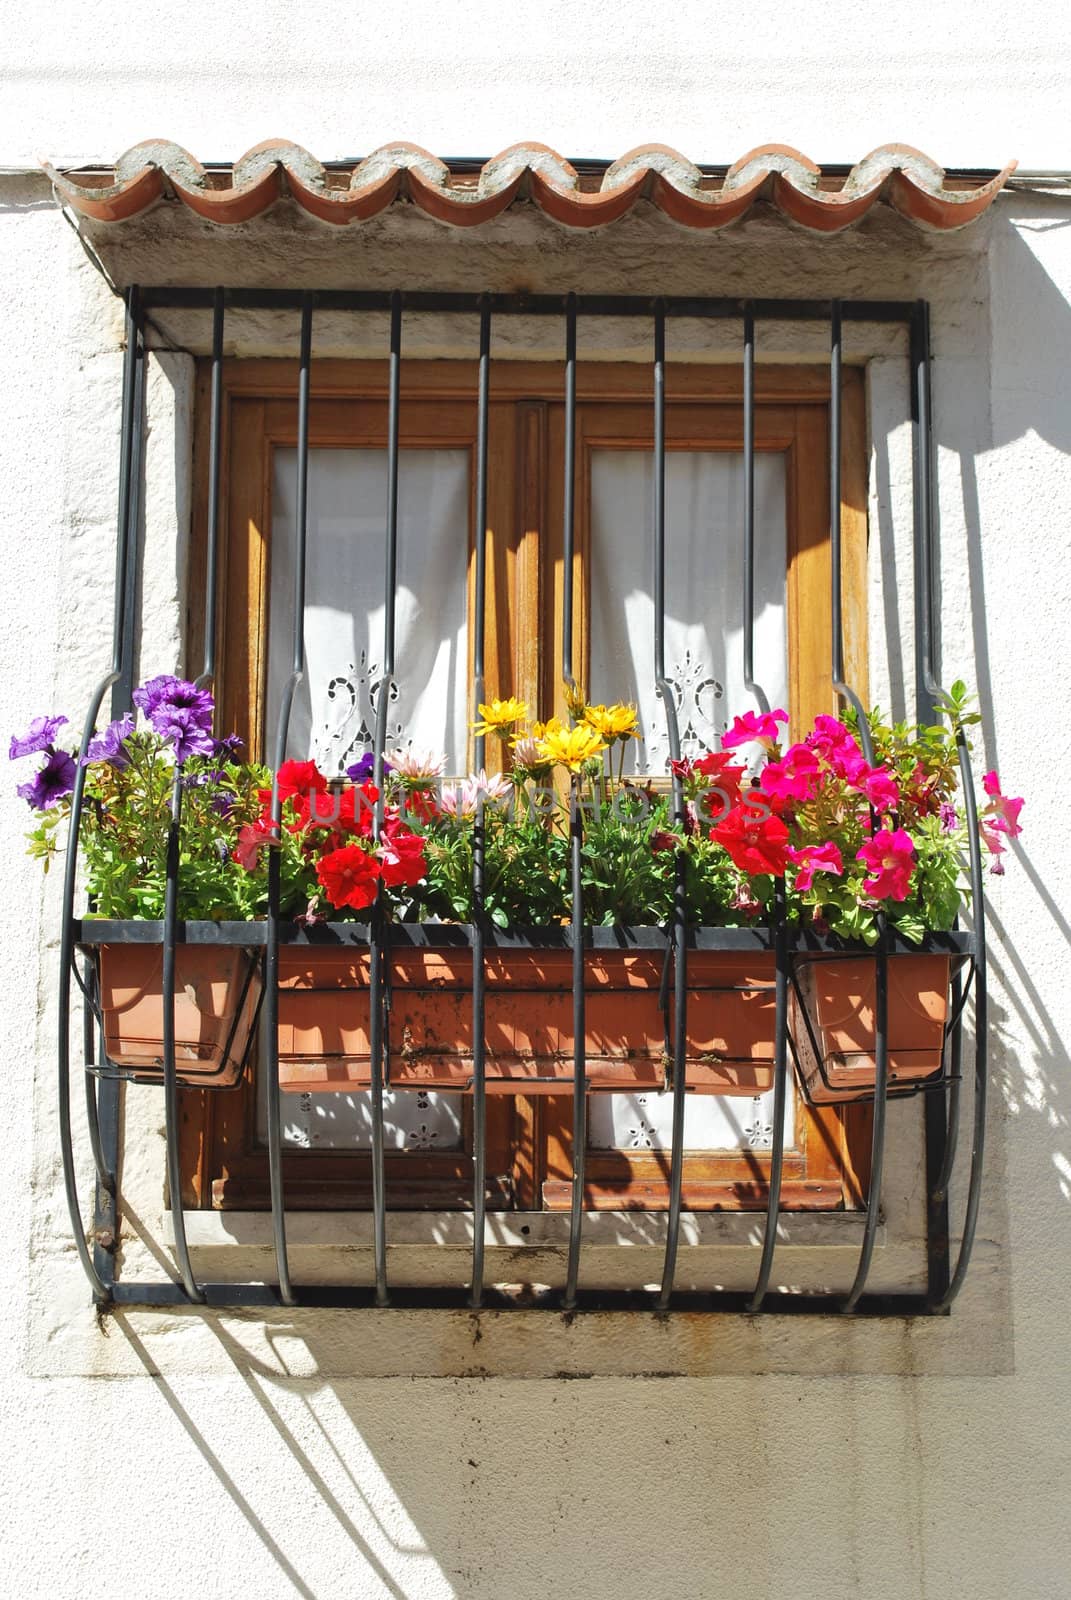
x,y
704,659
334,710
411,1121
711,1122
704,591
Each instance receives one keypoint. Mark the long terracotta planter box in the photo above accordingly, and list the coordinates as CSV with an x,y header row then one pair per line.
x,y
324,1018
217,995
840,996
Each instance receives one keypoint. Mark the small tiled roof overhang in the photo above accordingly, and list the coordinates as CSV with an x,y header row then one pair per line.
x,y
467,194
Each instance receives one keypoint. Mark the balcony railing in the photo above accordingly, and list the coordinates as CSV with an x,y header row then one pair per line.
x,y
942,1099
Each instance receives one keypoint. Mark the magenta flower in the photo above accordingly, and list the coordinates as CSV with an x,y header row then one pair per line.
x,y
40,736
879,787
890,858
1002,811
828,736
110,745
815,858
992,837
53,782
754,727
795,777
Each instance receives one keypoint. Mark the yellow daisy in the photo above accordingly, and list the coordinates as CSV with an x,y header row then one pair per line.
x,y
540,730
498,715
571,747
613,722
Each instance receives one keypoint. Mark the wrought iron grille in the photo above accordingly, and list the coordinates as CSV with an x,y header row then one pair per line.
x,y
943,1108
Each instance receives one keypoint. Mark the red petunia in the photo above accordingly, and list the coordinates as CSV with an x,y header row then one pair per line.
x,y
251,837
347,810
300,777
349,877
402,855
756,843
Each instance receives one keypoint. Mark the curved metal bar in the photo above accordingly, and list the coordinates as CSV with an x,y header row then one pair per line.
x,y
580,1095
777,1154
479,838
379,953
749,510
954,1046
569,506
981,1027
66,963
576,833
129,469
171,1110
100,1161
881,1052
667,695
930,686
840,685
877,1144
215,453
272,920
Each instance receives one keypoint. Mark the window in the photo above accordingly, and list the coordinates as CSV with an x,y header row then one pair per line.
x,y
529,1138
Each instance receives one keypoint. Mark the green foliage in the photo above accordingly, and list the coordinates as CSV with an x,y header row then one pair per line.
x,y
125,826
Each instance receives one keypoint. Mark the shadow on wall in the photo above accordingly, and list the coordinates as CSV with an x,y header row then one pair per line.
x,y
1024,394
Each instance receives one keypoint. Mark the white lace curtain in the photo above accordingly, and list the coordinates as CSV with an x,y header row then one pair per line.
x,y
704,592
334,711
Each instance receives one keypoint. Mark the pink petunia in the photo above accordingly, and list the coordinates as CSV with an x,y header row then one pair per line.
x,y
1002,811
795,777
829,735
879,787
754,727
890,858
815,858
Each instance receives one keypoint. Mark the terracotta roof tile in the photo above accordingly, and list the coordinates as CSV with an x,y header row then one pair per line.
x,y
904,177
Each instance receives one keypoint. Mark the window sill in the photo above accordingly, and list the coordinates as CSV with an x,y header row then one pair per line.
x,y
523,1247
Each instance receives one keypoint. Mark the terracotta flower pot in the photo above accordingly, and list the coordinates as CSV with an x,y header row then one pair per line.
x,y
217,996
835,1053
324,1013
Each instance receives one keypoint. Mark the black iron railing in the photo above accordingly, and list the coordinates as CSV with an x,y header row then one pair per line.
x,y
942,1100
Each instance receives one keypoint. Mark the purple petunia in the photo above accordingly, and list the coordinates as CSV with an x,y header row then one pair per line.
x,y
949,817
228,749
180,713
41,736
365,769
110,745
168,691
53,782
184,730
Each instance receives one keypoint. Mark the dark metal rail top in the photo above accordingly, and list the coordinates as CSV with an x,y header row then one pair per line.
x,y
532,305
461,935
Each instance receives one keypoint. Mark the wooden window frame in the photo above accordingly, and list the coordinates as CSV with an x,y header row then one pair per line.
x,y
528,1156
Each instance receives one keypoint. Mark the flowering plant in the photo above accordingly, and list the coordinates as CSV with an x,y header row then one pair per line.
x,y
325,841
845,838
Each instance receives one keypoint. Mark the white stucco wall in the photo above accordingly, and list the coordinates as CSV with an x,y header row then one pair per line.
x,y
322,1454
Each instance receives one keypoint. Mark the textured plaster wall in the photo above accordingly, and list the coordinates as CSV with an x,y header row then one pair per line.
x,y
295,1456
